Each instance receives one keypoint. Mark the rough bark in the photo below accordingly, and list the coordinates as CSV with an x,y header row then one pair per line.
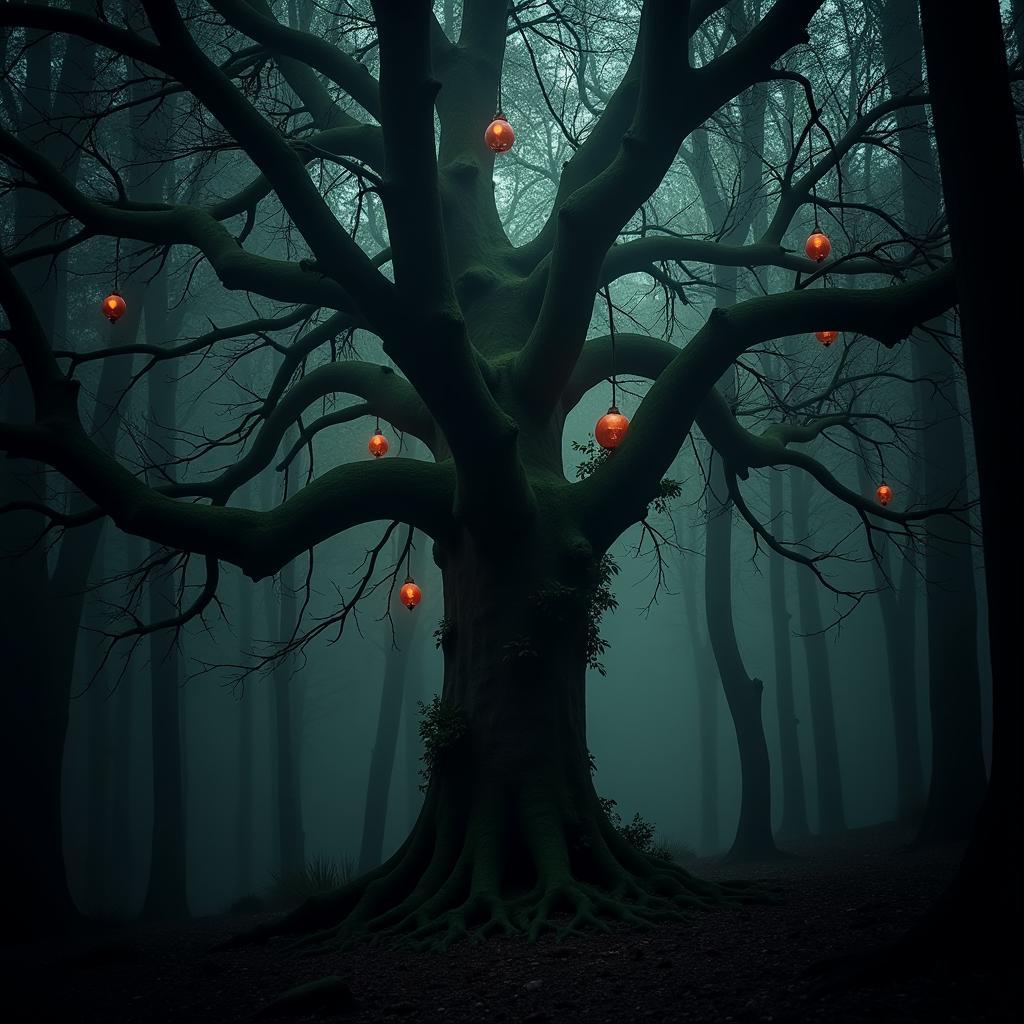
x,y
511,832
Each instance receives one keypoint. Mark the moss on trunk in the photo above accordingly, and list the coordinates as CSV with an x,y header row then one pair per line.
x,y
512,838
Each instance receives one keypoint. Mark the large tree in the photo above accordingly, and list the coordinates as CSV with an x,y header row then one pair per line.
x,y
382,111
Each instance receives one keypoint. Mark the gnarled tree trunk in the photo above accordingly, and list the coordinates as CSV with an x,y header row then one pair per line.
x,y
511,831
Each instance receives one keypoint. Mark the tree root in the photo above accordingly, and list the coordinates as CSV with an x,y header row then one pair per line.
x,y
434,916
530,872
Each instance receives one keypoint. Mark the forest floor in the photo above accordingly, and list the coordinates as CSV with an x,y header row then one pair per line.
x,y
746,965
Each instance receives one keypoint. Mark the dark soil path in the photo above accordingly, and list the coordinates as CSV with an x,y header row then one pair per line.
x,y
721,966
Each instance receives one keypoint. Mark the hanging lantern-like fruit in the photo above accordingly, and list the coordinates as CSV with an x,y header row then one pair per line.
x,y
499,135
378,444
114,307
884,494
826,337
611,428
410,594
818,246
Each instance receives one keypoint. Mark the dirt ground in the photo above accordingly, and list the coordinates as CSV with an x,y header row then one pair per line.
x,y
719,966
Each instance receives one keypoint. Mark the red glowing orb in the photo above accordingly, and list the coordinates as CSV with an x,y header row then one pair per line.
x,y
378,445
114,307
410,595
611,429
818,247
499,135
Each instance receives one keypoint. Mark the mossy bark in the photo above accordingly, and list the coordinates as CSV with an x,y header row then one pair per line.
x,y
511,838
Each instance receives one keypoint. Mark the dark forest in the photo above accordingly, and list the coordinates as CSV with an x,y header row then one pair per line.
x,y
507,510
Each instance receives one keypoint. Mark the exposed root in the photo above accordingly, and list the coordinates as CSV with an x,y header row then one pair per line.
x,y
435,915
528,873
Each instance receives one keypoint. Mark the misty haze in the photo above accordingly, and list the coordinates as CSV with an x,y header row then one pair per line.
x,y
507,510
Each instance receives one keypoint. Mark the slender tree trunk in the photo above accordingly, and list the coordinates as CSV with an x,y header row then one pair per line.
x,y
958,768
290,836
243,817
123,846
897,606
742,693
166,895
831,812
385,746
794,801
100,749
707,715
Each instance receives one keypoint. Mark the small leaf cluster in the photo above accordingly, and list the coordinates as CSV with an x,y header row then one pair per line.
x,y
602,599
667,490
639,832
444,633
442,726
594,457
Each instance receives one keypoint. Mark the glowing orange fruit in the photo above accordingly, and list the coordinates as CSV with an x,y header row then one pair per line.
x,y
826,337
818,246
884,494
410,595
114,307
378,445
611,428
499,135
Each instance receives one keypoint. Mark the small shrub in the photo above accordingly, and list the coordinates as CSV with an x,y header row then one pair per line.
x,y
318,876
639,832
